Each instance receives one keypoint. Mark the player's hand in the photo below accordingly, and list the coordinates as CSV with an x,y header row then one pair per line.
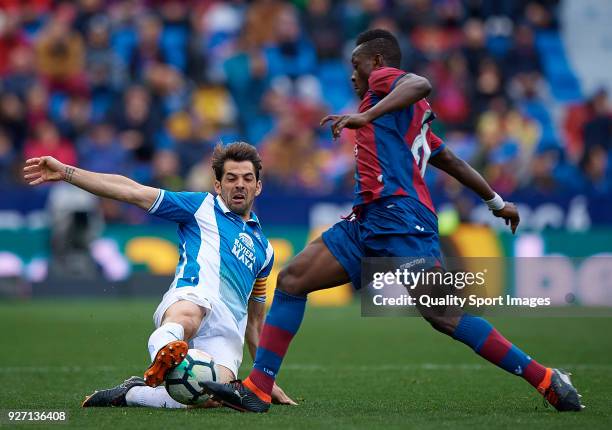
x,y
510,214
355,120
280,398
43,169
208,404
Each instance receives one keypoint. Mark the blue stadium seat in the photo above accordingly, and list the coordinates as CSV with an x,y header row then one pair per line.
x,y
563,82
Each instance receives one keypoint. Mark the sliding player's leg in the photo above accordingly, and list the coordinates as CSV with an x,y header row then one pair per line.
x,y
325,263
218,335
158,397
135,392
179,322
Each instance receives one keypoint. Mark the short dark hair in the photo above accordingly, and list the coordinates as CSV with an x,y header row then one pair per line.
x,y
379,41
235,151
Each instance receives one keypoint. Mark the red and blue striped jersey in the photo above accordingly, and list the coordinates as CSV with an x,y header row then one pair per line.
x,y
392,151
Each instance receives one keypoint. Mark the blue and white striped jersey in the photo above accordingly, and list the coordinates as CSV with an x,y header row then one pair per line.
x,y
219,251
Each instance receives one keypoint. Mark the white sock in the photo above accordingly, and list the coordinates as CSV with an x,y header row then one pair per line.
x,y
151,397
163,336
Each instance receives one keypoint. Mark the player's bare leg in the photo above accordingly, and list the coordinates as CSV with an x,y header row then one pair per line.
x,y
313,269
486,341
168,344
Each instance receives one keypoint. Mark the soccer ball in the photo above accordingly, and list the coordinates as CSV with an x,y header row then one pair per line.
x,y
183,383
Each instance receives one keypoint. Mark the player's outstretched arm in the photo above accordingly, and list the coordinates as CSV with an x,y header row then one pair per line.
x,y
47,169
409,89
447,161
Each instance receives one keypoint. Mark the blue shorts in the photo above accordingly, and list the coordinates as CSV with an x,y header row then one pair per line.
x,y
395,226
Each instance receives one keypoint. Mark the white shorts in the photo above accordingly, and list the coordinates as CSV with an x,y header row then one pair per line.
x,y
219,334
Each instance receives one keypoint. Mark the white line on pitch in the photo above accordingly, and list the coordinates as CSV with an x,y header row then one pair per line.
x,y
297,367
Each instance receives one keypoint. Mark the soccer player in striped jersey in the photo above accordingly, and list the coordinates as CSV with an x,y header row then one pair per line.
x,y
218,292
394,217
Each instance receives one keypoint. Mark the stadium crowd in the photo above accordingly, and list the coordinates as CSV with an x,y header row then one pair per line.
x,y
147,88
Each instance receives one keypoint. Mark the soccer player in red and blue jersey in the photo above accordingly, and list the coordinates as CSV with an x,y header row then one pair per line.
x,y
395,217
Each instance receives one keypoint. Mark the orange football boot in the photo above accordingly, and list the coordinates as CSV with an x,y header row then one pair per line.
x,y
165,360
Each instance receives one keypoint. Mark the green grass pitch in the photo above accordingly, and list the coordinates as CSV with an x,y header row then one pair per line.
x,y
346,371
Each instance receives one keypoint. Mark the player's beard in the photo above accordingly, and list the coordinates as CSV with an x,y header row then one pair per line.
x,y
242,207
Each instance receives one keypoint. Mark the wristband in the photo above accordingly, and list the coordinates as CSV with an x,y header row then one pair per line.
x,y
496,203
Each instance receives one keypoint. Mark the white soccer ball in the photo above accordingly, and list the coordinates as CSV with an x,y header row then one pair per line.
x,y
183,383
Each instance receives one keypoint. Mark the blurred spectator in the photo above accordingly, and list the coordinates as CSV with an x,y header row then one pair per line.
x,y
166,171
148,87
22,71
292,140
413,13
61,53
100,151
75,117
37,104
489,84
322,24
47,141
523,56
595,165
526,86
104,67
541,177
137,122
12,38
540,15
357,15
88,10
488,8
598,131
13,118
189,148
258,18
124,38
176,33
452,103
474,49
8,159
32,14
147,50
291,55
248,79
216,32
169,88
201,177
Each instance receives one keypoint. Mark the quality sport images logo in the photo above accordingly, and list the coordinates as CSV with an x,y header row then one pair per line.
x,y
244,250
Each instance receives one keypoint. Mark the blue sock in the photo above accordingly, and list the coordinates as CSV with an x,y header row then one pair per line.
x,y
282,323
487,342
